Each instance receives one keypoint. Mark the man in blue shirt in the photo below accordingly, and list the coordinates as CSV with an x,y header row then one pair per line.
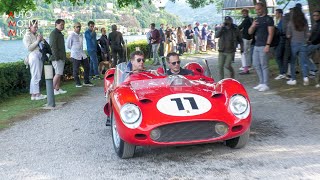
x,y
91,39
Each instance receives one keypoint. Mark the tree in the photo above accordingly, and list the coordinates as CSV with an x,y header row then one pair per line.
x,y
7,6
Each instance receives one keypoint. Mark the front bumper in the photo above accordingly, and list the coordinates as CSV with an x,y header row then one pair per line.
x,y
182,133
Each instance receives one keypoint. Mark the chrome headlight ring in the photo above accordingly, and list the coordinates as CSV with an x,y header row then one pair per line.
x,y
131,115
239,106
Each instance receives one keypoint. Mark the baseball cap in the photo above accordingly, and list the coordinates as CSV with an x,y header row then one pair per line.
x,y
227,18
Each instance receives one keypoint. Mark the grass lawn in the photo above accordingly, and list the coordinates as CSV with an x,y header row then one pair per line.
x,y
20,107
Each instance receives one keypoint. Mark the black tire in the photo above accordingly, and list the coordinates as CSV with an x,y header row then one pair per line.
x,y
239,142
123,149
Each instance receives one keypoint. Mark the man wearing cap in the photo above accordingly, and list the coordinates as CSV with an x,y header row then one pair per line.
x,y
197,37
263,30
229,38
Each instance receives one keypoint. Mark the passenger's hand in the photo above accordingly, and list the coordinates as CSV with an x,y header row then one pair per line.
x,y
96,29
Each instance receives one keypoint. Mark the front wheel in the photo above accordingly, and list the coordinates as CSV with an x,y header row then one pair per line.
x,y
239,142
123,149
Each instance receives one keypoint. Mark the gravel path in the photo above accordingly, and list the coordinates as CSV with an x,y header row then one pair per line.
x,y
74,143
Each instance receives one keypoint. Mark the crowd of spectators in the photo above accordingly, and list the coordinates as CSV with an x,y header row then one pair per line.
x,y
294,47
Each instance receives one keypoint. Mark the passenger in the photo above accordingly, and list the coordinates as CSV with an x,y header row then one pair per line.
x,y
174,65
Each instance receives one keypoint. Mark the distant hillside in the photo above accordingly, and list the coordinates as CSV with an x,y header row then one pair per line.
x,y
103,12
188,15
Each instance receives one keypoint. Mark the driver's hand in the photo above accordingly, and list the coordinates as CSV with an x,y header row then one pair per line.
x,y
154,72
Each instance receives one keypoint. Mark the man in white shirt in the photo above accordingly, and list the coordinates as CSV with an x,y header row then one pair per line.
x,y
78,57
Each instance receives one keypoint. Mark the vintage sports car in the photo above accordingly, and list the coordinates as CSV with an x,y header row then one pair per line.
x,y
150,110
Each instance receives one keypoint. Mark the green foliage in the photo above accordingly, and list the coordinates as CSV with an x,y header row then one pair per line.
x,y
7,6
142,44
14,79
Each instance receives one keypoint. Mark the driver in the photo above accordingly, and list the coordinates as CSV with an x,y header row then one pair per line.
x,y
174,65
137,63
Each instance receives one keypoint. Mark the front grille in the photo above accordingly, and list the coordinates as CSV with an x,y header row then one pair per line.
x,y
187,131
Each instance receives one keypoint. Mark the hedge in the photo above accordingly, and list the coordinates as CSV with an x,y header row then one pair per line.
x,y
15,78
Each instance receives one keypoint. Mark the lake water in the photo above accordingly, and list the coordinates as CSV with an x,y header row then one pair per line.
x,y
12,51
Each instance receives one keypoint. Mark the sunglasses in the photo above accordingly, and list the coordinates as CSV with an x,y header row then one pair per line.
x,y
139,60
177,62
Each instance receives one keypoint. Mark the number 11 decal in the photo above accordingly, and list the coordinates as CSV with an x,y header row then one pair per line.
x,y
180,104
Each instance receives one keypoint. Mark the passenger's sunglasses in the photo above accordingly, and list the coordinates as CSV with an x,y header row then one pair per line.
x,y
139,60
174,63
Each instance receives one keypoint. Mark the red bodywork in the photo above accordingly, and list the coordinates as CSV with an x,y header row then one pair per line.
x,y
146,96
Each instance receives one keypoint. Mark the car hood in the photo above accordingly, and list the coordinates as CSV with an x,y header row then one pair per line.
x,y
153,89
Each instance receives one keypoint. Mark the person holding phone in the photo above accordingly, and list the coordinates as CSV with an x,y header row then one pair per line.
x,y
263,30
229,38
92,45
31,41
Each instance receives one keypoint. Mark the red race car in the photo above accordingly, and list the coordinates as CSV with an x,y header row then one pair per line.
x,y
150,110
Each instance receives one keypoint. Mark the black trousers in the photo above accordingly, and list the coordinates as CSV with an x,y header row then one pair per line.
x,y
161,49
76,66
117,55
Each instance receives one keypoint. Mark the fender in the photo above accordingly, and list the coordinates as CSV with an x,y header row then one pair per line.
x,y
108,76
229,87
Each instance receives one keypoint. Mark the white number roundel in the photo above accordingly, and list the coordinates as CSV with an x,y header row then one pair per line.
x,y
183,104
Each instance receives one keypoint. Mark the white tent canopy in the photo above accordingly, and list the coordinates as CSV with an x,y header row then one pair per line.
x,y
240,4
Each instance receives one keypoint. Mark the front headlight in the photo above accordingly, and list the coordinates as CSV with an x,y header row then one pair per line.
x,y
130,115
239,106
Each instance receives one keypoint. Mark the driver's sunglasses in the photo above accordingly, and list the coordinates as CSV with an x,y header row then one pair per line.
x,y
174,63
140,59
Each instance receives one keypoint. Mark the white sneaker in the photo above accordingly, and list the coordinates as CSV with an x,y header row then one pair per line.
x,y
292,82
33,98
263,88
241,69
56,92
258,87
318,86
281,76
62,91
305,81
40,97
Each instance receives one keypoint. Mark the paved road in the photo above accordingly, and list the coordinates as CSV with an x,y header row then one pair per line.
x,y
73,143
